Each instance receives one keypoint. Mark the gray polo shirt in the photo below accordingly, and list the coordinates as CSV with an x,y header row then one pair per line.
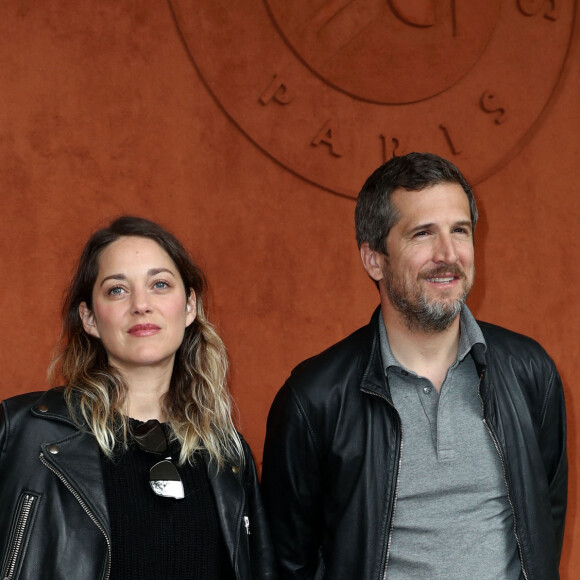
x,y
452,516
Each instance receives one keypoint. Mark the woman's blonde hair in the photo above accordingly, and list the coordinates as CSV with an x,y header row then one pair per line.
x,y
198,404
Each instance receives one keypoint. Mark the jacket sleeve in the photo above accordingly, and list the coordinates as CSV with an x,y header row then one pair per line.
x,y
261,551
553,448
2,429
292,487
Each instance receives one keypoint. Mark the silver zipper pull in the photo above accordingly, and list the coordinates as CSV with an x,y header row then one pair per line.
x,y
247,524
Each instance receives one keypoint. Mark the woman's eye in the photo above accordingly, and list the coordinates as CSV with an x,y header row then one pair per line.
x,y
116,291
160,284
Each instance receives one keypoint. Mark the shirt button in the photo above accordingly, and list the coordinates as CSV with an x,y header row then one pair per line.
x,y
427,390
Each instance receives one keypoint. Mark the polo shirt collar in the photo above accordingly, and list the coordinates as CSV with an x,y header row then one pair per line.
x,y
469,335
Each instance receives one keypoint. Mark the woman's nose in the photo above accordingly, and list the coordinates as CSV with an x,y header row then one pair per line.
x,y
140,301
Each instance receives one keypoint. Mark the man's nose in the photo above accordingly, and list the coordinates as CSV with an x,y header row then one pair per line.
x,y
445,250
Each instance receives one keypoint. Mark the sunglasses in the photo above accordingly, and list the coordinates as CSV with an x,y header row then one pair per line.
x,y
164,478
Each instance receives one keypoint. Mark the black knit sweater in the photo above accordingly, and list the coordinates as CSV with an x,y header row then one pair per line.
x,y
158,538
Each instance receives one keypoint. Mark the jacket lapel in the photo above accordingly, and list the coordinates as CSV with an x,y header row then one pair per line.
x,y
228,491
75,459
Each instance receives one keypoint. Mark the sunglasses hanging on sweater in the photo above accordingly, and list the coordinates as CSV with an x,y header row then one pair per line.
x,y
164,478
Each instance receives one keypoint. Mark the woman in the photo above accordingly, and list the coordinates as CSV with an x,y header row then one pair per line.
x,y
134,469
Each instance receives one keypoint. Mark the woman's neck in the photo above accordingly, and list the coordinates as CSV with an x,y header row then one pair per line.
x,y
145,392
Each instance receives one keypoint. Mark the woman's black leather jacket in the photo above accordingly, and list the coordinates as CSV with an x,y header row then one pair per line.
x,y
333,445
54,523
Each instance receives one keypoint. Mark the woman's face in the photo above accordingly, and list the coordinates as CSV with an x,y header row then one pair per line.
x,y
140,310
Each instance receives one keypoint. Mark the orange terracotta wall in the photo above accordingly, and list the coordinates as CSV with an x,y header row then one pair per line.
x,y
248,142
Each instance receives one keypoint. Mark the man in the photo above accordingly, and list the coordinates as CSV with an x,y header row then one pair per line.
x,y
425,445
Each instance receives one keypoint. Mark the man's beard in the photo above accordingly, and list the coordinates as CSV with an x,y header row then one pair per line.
x,y
422,313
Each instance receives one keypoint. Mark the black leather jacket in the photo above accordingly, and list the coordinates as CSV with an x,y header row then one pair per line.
x,y
333,447
54,523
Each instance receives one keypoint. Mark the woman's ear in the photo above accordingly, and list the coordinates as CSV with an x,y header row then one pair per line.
x,y
190,308
88,320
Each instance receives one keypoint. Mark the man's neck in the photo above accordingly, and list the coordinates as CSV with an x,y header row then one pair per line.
x,y
429,354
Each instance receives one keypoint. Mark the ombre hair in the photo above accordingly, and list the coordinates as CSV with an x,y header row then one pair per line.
x,y
197,405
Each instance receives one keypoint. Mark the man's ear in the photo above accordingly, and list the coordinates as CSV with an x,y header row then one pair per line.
x,y
190,308
373,262
88,320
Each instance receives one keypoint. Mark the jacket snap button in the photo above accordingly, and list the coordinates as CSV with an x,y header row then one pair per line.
x,y
236,469
53,449
43,408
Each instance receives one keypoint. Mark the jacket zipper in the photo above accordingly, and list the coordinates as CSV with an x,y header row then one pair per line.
x,y
497,448
85,508
19,534
392,522
247,524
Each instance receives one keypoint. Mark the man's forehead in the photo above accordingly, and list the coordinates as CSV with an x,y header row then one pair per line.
x,y
443,203
441,195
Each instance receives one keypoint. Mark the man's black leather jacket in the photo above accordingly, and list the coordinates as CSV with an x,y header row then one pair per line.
x,y
54,523
333,448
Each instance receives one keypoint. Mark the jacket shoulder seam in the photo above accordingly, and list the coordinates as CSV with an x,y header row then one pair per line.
x,y
302,412
547,394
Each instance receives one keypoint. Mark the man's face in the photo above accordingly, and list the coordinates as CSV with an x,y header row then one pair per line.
x,y
429,268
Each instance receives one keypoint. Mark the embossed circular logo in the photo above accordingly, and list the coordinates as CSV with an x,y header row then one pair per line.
x,y
386,52
332,88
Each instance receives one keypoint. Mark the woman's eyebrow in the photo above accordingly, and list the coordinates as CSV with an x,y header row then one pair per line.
x,y
150,272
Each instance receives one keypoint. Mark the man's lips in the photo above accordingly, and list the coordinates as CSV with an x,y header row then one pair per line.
x,y
442,279
446,275
144,329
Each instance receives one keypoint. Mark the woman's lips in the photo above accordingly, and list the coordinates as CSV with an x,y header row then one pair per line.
x,y
144,330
